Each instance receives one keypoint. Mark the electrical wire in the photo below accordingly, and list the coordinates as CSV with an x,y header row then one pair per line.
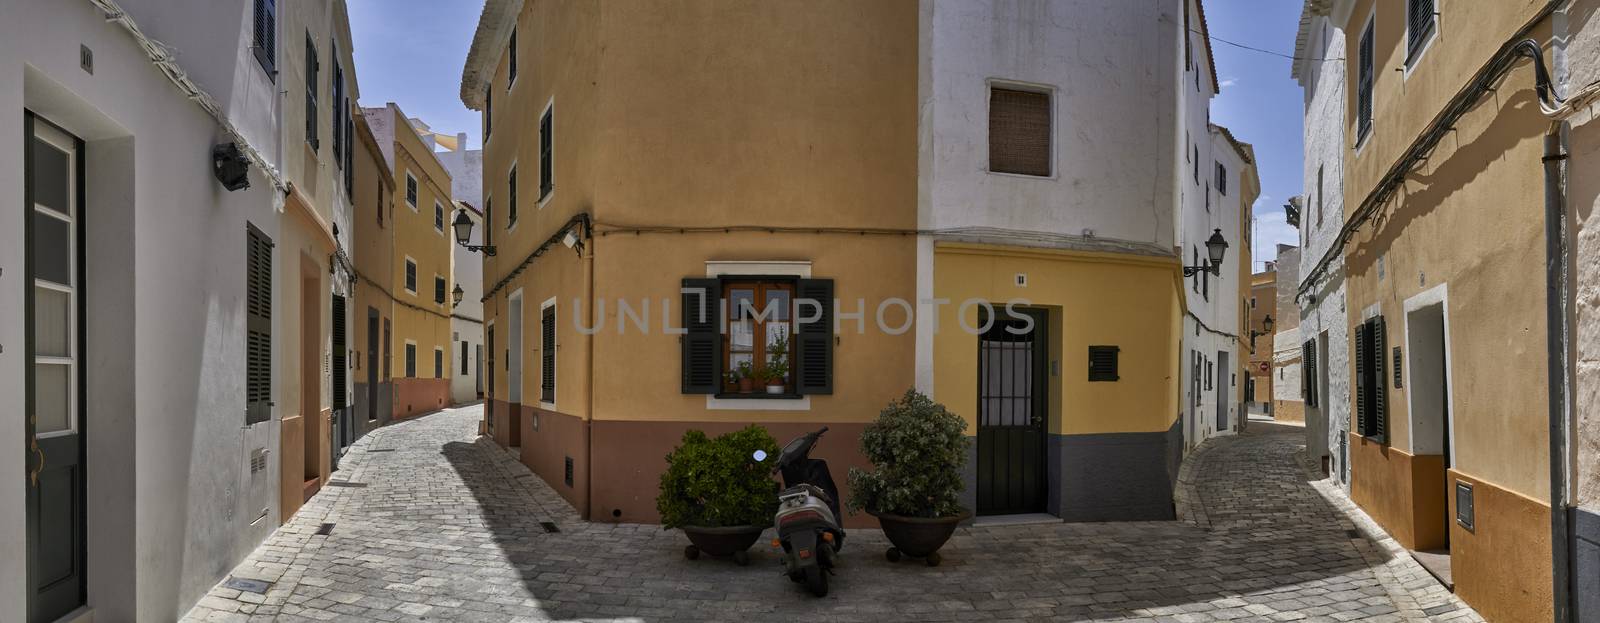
x,y
161,56
1263,51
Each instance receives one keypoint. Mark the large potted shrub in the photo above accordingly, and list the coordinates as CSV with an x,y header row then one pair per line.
x,y
716,493
917,449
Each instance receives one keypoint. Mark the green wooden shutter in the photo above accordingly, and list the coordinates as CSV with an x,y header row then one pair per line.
x,y
547,355
1360,416
258,327
1380,385
702,340
813,343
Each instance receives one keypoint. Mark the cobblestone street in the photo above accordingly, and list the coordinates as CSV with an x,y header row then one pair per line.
x,y
429,523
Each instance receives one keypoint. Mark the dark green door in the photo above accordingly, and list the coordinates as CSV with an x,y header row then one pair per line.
x,y
1013,355
53,164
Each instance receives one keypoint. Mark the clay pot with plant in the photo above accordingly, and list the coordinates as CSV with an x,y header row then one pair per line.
x,y
718,495
917,449
776,373
747,378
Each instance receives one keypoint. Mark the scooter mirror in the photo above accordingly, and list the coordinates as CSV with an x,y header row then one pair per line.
x,y
760,455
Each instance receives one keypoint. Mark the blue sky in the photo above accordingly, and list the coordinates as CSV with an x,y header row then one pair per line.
x,y
1261,104
411,52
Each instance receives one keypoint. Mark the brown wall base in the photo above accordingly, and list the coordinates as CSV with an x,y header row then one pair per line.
x,y
1502,567
291,462
548,441
417,396
1403,493
505,422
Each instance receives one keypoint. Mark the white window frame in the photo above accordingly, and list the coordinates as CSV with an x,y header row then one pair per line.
x,y
545,200
414,267
436,278
555,378
1055,123
1412,62
408,374
443,361
441,217
44,131
511,224
797,269
411,180
1372,20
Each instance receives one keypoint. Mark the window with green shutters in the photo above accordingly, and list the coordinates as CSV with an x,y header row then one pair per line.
x,y
312,68
258,326
1364,84
547,355
547,141
1419,25
264,37
1372,413
712,344
411,361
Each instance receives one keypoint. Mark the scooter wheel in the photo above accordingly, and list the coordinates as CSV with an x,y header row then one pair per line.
x,y
742,558
933,559
893,555
691,552
817,581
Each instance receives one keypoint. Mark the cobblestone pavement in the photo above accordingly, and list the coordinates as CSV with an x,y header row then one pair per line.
x,y
437,525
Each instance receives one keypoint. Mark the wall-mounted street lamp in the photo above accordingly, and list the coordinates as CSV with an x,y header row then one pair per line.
x,y
458,294
1266,327
463,227
1216,248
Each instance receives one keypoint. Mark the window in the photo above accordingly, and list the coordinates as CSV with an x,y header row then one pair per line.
x,y
1371,413
1420,23
1308,376
511,187
1252,302
258,326
488,219
438,362
380,202
547,353
760,324
311,94
1019,132
1364,78
388,372
438,289
1210,373
547,169
488,112
511,59
411,360
438,217
783,326
333,106
1103,363
1319,195
1222,179
265,37
411,190
1195,278
463,357
411,275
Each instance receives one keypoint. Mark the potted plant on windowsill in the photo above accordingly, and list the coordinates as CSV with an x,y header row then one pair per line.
x,y
747,378
716,494
917,449
777,370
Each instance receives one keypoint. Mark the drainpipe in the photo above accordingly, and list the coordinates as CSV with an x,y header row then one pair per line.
x,y
1557,342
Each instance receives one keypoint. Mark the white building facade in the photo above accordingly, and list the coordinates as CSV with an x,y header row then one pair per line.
x,y
1323,335
124,331
467,354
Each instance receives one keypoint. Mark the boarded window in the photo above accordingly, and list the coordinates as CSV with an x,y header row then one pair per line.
x,y
547,355
265,35
1019,132
258,326
1364,78
1103,363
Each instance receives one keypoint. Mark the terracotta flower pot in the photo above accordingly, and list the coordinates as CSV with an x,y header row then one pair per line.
x,y
721,542
918,537
747,385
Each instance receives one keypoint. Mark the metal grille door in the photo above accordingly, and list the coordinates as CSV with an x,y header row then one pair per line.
x,y
1012,362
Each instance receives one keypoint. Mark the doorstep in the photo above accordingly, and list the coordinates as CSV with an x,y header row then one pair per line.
x,y
1437,564
1023,519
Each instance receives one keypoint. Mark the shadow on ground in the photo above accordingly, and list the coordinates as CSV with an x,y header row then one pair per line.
x,y
1272,542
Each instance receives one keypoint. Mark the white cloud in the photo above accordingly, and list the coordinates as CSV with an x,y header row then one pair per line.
x,y
1229,81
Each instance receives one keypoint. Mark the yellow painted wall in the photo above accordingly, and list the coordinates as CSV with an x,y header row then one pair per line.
x,y
1132,302
416,316
373,247
779,120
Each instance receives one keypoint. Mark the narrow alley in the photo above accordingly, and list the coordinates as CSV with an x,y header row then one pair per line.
x,y
427,521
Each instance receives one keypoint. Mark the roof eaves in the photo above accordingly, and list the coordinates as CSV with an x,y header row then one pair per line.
x,y
1205,33
494,29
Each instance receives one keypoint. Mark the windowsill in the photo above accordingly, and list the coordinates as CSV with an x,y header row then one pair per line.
x,y
547,197
1025,176
413,206
758,402
512,226
1422,50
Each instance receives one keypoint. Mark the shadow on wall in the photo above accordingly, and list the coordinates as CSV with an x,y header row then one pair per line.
x,y
1269,531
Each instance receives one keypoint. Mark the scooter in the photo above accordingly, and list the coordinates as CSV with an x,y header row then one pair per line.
x,y
808,514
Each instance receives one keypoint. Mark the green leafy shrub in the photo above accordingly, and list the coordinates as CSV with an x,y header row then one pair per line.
x,y
917,451
714,482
